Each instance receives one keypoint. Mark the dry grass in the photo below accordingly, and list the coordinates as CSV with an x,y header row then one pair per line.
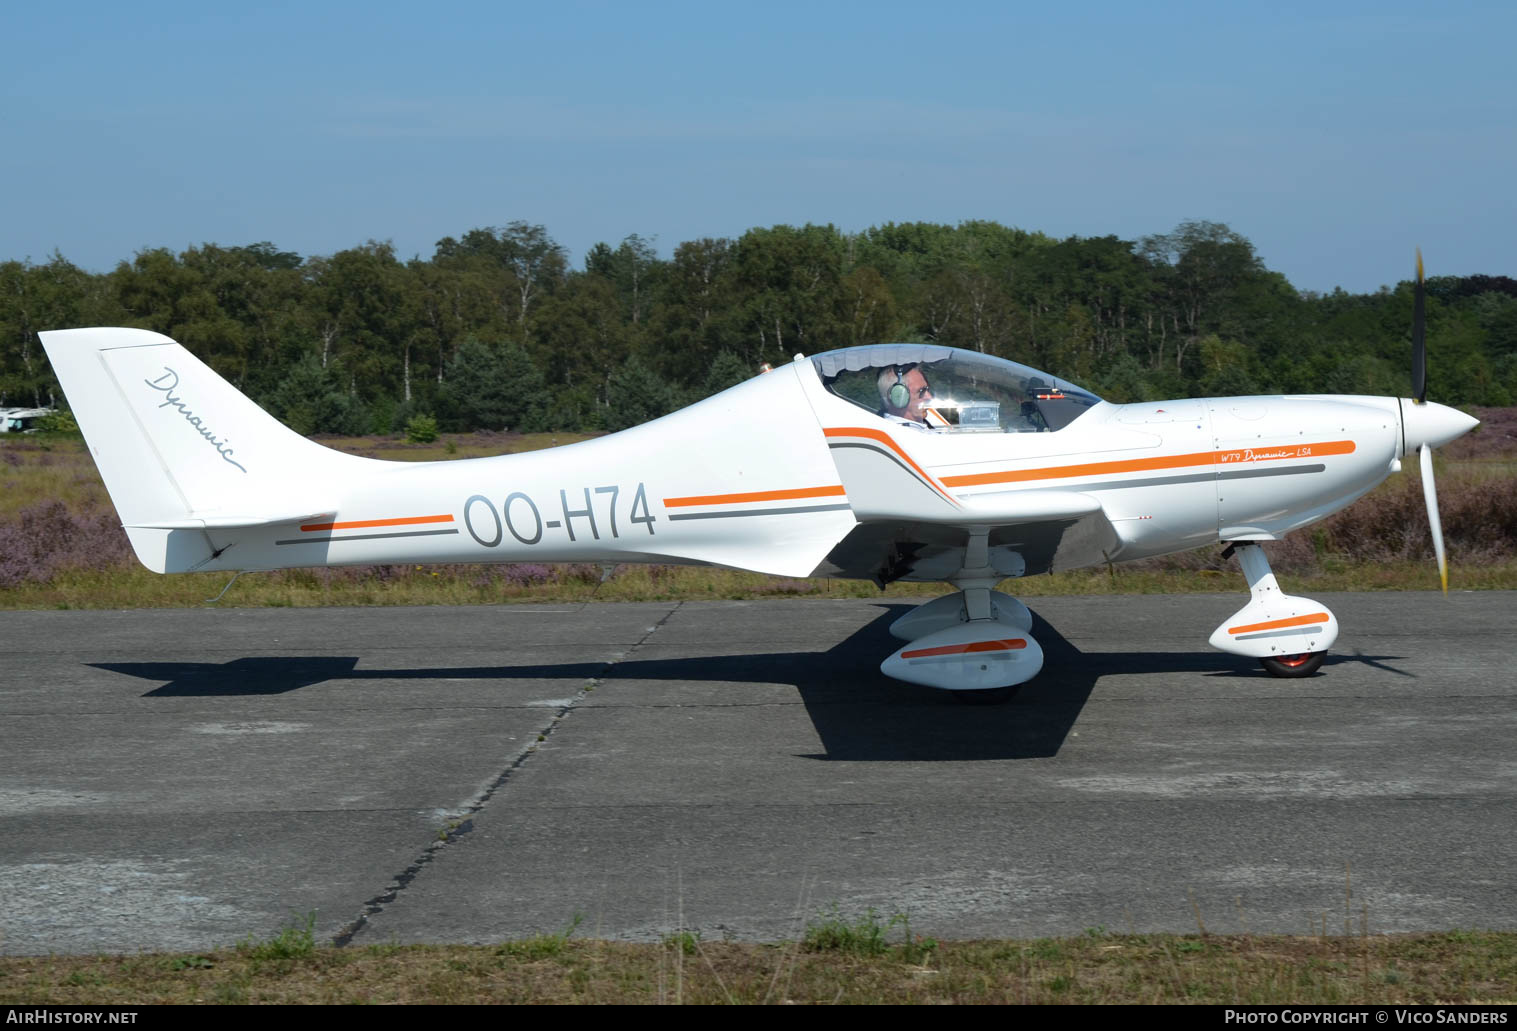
x,y
34,470
134,587
1456,967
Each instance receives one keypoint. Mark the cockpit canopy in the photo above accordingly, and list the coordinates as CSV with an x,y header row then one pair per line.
x,y
951,391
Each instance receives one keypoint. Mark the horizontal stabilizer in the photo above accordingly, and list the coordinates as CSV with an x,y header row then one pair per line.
x,y
235,522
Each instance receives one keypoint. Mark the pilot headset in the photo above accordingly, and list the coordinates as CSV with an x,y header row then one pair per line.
x,y
899,394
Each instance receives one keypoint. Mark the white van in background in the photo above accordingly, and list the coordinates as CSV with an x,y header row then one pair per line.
x,y
21,420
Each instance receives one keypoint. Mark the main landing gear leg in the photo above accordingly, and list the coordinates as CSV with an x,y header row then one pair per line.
x,y
1289,636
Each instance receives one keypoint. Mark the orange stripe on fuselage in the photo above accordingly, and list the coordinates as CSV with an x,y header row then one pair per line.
x,y
757,495
1236,456
1280,624
1013,644
357,524
888,441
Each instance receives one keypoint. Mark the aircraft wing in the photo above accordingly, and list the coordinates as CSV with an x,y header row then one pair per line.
x,y
1029,532
913,526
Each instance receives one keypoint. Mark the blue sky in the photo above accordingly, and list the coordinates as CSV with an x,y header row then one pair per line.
x,y
1336,137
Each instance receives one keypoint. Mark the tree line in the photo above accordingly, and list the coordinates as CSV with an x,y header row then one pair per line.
x,y
496,330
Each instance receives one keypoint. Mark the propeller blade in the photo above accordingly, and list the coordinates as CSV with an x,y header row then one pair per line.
x,y
1419,337
1430,494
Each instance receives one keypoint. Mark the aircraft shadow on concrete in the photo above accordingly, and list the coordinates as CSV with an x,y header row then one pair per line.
x,y
859,714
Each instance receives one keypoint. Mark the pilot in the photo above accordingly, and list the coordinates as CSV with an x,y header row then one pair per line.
x,y
905,394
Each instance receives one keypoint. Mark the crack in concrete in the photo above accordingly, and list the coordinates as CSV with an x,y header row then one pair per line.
x,y
463,825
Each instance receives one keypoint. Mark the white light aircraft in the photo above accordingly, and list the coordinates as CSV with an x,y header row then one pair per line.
x,y
887,462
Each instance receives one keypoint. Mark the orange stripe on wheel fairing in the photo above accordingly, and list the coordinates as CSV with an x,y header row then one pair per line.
x,y
357,524
1237,456
888,441
1280,624
757,495
1014,644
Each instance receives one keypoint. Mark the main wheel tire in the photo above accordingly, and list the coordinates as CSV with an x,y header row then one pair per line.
x,y
1292,667
986,695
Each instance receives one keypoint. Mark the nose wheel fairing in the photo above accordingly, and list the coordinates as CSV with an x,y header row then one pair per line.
x,y
1273,625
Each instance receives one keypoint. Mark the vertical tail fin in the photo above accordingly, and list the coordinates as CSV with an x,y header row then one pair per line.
x,y
181,449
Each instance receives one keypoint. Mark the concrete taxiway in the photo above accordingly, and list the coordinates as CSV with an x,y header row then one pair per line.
x,y
185,779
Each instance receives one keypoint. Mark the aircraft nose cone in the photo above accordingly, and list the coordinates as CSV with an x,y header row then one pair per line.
x,y
1432,424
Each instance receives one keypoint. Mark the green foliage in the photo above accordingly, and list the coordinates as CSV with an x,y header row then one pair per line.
x,y
583,335
1365,374
1123,382
917,949
494,387
58,422
543,946
790,278
190,963
866,936
633,269
296,940
310,400
831,932
34,298
688,942
636,394
266,256
1225,368
574,408
727,370
494,330
421,429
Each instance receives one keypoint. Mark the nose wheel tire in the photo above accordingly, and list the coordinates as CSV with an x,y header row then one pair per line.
x,y
1293,666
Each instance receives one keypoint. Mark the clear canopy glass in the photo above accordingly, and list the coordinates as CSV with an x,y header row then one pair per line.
x,y
951,391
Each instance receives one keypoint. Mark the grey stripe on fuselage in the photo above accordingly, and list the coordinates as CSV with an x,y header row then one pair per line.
x,y
1244,474
759,512
365,537
1165,481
